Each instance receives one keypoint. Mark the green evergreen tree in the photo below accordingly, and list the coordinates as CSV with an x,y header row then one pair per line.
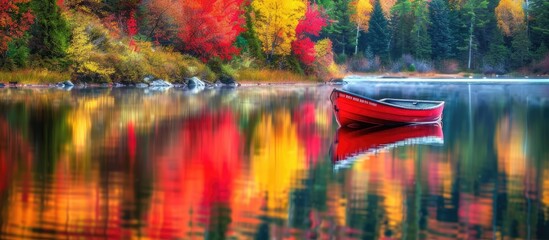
x,y
441,36
378,35
341,31
473,18
252,44
520,46
50,33
540,22
498,53
402,23
421,39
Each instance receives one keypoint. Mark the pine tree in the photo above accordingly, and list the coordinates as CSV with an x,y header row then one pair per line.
x,y
540,23
421,39
50,33
402,23
497,54
441,36
378,35
341,31
520,46
253,45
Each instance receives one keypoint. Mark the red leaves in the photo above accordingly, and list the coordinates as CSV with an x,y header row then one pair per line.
x,y
310,25
304,49
132,29
132,24
209,29
13,22
313,22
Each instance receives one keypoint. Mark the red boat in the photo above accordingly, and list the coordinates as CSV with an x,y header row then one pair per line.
x,y
352,144
353,110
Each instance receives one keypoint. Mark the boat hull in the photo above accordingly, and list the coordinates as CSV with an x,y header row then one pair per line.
x,y
354,110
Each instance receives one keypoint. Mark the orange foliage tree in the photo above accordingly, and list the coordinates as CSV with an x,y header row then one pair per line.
x,y
510,16
15,20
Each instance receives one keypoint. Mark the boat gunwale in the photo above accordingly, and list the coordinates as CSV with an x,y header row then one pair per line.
x,y
438,103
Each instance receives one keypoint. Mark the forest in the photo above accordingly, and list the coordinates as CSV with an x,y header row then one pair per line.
x,y
126,40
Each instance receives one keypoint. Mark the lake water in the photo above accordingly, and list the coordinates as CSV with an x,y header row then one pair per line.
x,y
266,163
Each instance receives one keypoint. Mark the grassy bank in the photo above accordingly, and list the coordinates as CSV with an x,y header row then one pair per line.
x,y
33,76
271,76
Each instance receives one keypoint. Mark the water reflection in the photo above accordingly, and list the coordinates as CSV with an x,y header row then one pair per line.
x,y
354,144
257,163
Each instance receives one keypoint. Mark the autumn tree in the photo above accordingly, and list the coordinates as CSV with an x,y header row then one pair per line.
x,y
15,20
311,25
160,21
361,10
276,22
209,29
510,16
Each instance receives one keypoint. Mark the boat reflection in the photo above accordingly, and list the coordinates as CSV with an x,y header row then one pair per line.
x,y
354,144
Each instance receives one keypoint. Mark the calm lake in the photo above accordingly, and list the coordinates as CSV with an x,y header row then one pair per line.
x,y
266,162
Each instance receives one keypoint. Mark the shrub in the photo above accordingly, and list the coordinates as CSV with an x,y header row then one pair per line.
x,y
359,64
412,68
341,58
543,66
324,66
449,66
423,66
493,69
97,57
397,66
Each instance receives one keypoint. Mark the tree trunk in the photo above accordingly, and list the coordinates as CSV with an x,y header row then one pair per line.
x,y
470,41
356,40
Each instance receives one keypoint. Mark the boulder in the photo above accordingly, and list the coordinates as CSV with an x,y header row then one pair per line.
x,y
148,78
161,83
118,85
68,83
142,85
195,82
227,80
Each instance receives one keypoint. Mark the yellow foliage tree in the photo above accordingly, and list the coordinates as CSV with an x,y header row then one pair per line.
x,y
362,10
275,22
81,52
510,16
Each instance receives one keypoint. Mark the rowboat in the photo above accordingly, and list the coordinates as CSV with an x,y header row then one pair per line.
x,y
353,110
351,145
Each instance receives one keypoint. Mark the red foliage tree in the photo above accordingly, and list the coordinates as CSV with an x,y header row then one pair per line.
x,y
209,28
310,25
14,21
132,28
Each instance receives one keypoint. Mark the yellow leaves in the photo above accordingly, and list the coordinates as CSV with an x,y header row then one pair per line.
x,y
362,10
510,16
275,22
81,52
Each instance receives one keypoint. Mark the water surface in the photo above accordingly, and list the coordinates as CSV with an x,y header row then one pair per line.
x,y
259,163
